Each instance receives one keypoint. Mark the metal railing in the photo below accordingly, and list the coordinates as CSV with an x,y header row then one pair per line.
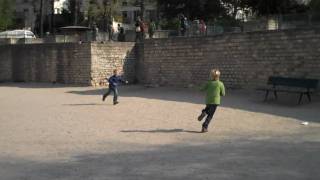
x,y
278,22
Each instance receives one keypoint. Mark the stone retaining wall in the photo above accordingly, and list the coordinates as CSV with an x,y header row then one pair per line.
x,y
107,57
63,63
246,60
73,63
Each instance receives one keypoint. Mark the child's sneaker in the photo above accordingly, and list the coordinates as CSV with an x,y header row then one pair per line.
x,y
202,115
204,130
115,103
103,98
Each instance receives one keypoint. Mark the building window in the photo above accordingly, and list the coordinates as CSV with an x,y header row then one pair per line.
x,y
125,17
57,11
124,3
125,14
136,15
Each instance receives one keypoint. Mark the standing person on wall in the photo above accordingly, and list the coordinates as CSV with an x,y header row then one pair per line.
x,y
203,28
152,28
121,35
110,30
138,31
183,25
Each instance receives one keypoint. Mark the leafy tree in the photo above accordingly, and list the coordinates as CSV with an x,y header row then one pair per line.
x,y
101,12
214,10
171,9
190,8
204,9
93,12
315,5
209,10
6,14
270,7
72,13
233,7
107,12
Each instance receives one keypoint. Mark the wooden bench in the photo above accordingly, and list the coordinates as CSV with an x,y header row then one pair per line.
x,y
290,85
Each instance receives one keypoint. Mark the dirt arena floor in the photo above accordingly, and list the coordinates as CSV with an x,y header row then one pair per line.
x,y
56,132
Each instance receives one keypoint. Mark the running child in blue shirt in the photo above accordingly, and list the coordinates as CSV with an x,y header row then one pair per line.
x,y
114,82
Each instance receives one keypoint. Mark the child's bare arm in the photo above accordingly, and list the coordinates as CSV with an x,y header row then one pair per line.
x,y
222,90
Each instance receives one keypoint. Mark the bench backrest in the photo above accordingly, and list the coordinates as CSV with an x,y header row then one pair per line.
x,y
293,82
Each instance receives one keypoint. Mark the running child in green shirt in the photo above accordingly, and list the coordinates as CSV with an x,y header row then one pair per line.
x,y
214,90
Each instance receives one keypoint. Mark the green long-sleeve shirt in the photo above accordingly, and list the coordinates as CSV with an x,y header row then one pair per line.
x,y
214,90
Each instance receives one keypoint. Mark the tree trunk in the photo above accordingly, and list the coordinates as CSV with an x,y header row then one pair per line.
x,y
142,9
158,12
75,22
41,18
52,18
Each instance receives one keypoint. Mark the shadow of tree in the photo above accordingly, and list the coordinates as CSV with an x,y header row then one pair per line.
x,y
236,160
87,104
37,85
160,131
251,101
238,99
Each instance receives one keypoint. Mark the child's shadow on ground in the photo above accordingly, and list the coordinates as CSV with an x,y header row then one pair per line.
x,y
160,131
88,104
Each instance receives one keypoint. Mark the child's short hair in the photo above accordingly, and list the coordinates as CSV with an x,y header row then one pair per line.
x,y
115,70
215,74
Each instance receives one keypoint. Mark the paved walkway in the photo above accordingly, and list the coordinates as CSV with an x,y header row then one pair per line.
x,y
53,132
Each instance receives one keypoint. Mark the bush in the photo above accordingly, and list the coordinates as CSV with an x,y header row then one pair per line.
x,y
171,24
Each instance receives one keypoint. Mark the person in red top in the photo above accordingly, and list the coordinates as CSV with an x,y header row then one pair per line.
x,y
140,30
203,28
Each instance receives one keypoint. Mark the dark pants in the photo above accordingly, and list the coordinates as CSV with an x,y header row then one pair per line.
x,y
115,93
209,110
139,36
151,35
183,32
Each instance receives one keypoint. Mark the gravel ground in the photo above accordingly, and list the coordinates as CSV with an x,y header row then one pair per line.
x,y
56,132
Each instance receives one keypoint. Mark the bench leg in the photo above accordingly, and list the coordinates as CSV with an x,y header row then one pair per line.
x,y
301,94
309,96
266,97
275,94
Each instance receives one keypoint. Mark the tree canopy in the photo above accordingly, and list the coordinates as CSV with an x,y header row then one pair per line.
x,y
101,12
6,14
271,7
212,9
315,6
